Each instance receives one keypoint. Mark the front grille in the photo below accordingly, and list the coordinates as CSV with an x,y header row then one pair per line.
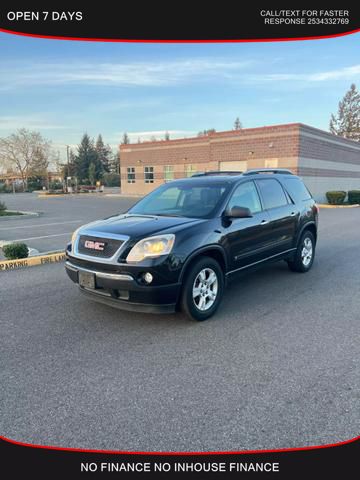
x,y
109,246
96,266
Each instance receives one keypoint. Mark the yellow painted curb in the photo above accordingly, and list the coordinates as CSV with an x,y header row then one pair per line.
x,y
326,205
52,196
31,261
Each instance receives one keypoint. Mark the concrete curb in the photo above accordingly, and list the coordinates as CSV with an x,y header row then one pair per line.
x,y
53,257
24,215
41,195
326,205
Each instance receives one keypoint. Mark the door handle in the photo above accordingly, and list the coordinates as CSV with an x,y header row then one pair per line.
x,y
264,222
292,214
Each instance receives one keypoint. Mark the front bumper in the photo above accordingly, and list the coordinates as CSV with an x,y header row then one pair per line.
x,y
122,290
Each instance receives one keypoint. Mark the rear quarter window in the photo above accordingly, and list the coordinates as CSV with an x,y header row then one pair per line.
x,y
297,189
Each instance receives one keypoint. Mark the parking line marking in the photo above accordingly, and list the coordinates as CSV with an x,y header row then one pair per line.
x,y
45,236
41,225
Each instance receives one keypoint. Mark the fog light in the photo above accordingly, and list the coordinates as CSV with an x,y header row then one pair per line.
x,y
148,278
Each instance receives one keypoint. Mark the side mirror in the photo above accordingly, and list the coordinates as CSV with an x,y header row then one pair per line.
x,y
238,212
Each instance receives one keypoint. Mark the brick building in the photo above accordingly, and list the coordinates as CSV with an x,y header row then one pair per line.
x,y
324,161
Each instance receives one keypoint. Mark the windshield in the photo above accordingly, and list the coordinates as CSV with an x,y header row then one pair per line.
x,y
197,200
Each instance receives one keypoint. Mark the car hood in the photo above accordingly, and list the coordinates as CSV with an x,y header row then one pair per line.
x,y
135,226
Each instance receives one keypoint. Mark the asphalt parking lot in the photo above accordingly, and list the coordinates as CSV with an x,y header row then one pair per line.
x,y
59,217
277,367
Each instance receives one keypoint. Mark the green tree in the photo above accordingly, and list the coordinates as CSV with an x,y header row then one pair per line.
x,y
125,139
104,153
203,133
346,123
237,124
92,173
86,155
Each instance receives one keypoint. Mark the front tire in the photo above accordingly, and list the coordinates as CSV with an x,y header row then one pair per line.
x,y
203,289
304,255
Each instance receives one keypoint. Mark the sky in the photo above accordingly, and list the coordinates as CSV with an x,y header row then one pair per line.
x,y
65,88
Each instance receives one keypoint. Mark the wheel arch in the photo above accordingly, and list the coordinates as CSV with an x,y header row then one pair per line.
x,y
213,251
311,226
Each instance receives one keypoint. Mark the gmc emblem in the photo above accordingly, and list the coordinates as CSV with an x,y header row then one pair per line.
x,y
94,245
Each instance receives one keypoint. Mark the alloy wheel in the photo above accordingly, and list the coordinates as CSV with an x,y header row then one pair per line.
x,y
307,252
205,289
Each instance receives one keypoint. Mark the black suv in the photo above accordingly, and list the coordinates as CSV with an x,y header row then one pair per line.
x,y
179,245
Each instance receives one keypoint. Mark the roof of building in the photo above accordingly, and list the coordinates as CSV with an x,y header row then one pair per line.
x,y
266,130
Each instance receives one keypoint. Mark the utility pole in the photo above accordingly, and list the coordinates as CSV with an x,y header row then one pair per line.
x,y
67,173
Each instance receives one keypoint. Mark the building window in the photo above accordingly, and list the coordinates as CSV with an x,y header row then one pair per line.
x,y
131,174
190,170
149,174
168,173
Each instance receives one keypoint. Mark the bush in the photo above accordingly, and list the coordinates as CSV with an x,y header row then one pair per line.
x,y
354,196
5,188
87,188
111,179
336,197
55,186
2,207
34,183
54,192
15,250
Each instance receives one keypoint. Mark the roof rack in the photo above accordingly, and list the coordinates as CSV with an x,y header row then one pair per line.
x,y
217,172
255,171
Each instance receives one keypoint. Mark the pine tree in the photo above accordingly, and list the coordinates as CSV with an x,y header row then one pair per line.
x,y
347,121
86,155
104,153
237,124
92,173
125,139
203,133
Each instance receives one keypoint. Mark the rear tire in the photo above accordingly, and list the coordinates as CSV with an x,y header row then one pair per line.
x,y
304,255
203,289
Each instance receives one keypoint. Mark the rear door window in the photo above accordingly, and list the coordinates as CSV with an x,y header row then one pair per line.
x,y
272,193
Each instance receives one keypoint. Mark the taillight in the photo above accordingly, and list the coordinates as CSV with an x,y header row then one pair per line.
x,y
317,208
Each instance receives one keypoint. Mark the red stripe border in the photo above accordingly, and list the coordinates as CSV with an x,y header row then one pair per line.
x,y
79,39
125,452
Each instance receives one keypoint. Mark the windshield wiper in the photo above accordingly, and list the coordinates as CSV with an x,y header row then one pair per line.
x,y
167,215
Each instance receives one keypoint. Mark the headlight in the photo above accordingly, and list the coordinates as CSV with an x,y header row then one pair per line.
x,y
73,237
151,247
